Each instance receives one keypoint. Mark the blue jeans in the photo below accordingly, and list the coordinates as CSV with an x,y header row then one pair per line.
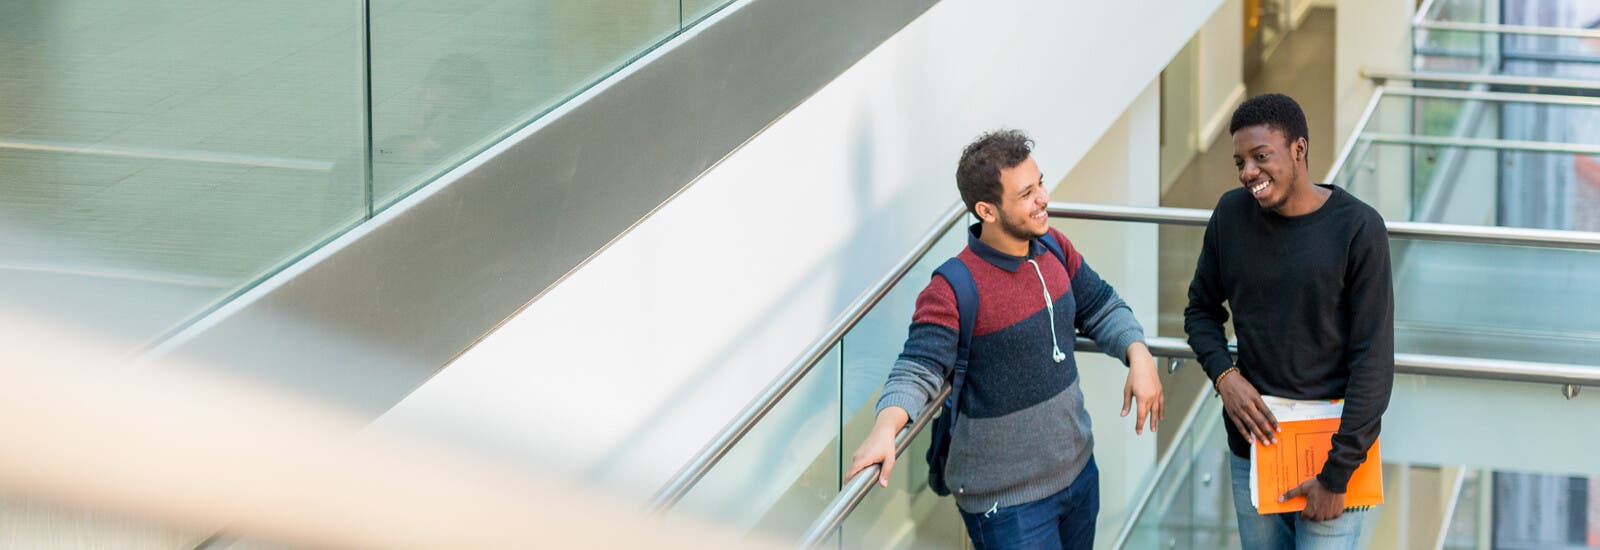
x,y
1062,520
1290,531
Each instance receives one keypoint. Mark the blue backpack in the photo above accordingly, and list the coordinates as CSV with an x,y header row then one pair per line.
x,y
966,291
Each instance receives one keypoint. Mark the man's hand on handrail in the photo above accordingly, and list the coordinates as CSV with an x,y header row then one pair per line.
x,y
878,447
1144,386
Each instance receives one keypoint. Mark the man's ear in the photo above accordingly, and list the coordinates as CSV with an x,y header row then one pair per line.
x,y
1300,147
986,212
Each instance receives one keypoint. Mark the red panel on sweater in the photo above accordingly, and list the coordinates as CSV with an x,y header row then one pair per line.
x,y
1007,298
937,305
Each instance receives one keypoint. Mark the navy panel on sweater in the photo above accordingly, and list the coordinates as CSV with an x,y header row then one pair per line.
x,y
1021,432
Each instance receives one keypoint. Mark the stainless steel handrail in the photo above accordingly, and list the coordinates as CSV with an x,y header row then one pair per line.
x,y
1418,363
1492,28
1494,80
1546,238
696,469
1423,11
1496,369
1350,142
857,487
758,408
1484,143
1498,97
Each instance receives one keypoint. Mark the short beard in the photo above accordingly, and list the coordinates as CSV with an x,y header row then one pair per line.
x,y
1017,230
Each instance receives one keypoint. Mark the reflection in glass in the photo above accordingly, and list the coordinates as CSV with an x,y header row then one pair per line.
x,y
33,523
1192,504
1504,160
451,78
693,10
782,474
907,513
160,157
1496,301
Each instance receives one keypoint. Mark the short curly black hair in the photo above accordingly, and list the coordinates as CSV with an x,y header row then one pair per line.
x,y
1277,111
978,173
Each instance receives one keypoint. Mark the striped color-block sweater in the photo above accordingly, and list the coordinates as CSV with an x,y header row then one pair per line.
x,y
1022,433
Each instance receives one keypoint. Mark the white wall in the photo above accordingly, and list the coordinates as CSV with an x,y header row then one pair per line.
x,y
1124,254
624,371
1221,69
1370,34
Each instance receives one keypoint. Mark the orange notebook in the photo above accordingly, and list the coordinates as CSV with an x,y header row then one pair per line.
x,y
1306,435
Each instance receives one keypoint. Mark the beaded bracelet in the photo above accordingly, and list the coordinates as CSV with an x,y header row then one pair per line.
x,y
1218,384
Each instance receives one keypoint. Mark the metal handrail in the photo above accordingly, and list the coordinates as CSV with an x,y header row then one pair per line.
x,y
853,491
1350,142
1423,12
856,488
1519,55
1417,363
758,408
1498,97
1493,80
1484,143
1544,238
1506,29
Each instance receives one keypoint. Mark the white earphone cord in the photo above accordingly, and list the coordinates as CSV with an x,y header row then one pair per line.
x,y
1050,310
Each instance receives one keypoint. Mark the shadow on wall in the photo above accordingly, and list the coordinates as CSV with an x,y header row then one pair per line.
x,y
808,420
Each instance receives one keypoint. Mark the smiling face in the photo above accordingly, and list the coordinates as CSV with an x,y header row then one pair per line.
x,y
1270,165
1021,212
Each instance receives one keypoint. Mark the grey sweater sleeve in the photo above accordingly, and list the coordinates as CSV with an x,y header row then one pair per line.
x,y
912,387
929,354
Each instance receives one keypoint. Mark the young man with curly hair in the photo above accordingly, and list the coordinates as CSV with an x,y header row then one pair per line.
x,y
1020,462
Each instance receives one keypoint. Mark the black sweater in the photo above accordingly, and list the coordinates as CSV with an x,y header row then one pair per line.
x,y
1313,307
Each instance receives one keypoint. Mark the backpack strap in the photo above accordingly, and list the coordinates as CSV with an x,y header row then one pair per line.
x,y
966,290
1050,243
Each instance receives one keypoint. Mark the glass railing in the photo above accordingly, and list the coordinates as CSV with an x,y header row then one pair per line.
x,y
1519,509
1446,485
30,522
788,468
1477,181
781,475
1478,158
1529,303
1535,38
1496,301
161,158
1440,113
1447,50
1191,502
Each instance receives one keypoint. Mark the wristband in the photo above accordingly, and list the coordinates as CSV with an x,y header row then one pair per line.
x,y
1218,384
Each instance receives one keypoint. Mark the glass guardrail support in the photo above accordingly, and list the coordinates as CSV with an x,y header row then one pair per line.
x,y
1174,364
1570,391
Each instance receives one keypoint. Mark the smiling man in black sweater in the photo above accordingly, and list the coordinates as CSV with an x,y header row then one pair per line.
x,y
1305,270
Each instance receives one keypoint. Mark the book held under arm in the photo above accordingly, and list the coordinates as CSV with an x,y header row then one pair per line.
x,y
1305,437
